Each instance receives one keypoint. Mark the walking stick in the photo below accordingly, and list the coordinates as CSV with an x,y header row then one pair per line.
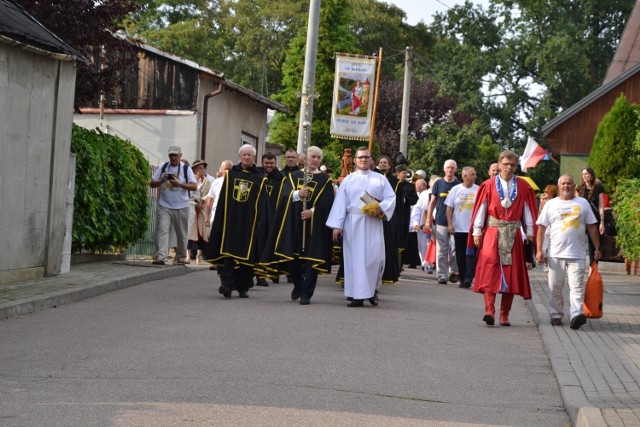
x,y
306,126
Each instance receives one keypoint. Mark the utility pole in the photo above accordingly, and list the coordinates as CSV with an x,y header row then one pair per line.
x,y
309,77
406,95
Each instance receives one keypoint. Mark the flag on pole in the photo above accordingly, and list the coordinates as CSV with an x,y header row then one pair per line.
x,y
532,155
353,96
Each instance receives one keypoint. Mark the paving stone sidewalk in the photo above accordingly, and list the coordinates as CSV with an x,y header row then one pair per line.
x,y
597,366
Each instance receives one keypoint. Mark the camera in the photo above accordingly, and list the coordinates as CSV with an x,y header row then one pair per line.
x,y
171,176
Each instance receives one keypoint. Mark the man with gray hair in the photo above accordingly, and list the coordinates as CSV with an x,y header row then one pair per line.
x,y
459,203
240,225
567,217
299,243
176,180
446,267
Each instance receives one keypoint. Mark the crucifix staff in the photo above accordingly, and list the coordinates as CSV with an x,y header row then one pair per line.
x,y
306,125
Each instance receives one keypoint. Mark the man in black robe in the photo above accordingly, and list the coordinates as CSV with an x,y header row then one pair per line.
x,y
275,179
300,244
240,224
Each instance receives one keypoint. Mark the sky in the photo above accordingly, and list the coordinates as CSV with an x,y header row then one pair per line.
x,y
417,10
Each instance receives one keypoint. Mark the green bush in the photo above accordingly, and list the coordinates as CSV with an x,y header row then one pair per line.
x,y
613,156
626,209
111,196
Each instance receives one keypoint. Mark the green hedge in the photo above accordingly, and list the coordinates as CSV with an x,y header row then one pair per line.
x,y
626,208
111,196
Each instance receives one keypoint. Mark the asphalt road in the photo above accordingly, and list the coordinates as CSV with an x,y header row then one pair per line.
x,y
175,352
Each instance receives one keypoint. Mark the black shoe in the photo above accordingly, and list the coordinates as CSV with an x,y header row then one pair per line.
x,y
225,291
356,303
243,294
488,319
454,277
262,282
578,321
442,281
295,294
275,280
374,299
465,284
305,301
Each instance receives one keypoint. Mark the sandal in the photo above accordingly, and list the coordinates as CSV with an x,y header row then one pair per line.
x,y
157,262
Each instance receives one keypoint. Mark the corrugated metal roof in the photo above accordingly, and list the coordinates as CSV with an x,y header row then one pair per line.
x,y
16,24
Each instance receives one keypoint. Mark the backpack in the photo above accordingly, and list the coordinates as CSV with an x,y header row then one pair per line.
x,y
184,172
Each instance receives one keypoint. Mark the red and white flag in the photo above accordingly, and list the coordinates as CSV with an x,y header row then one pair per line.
x,y
532,155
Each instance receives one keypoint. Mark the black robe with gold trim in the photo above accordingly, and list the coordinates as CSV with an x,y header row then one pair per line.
x,y
274,186
284,244
241,222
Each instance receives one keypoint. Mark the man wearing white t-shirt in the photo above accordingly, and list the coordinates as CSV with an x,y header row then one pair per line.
x,y
459,203
176,180
567,216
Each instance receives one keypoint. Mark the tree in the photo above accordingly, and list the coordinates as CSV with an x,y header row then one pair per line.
x,y
87,26
427,108
613,155
468,145
521,61
242,38
333,36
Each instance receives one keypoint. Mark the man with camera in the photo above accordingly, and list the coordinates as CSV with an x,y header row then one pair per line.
x,y
175,180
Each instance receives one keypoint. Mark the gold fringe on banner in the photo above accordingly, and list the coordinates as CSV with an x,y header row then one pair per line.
x,y
350,138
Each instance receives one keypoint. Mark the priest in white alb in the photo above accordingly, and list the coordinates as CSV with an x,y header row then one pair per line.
x,y
364,199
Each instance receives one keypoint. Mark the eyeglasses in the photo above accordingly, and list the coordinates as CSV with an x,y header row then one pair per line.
x,y
363,157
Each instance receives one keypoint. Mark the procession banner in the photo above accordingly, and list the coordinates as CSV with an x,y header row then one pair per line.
x,y
353,92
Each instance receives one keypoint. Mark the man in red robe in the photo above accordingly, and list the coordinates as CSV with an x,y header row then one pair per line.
x,y
505,205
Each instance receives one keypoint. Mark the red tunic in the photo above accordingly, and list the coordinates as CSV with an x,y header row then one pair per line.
x,y
489,271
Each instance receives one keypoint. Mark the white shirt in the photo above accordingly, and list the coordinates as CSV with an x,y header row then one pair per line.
x,y
566,222
174,197
462,199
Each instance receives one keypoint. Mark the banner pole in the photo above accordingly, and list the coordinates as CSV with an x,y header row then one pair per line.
x,y
375,103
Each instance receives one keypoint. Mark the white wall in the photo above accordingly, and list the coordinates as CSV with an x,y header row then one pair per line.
x,y
152,134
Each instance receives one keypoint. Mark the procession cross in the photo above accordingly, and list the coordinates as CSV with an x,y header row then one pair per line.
x,y
306,125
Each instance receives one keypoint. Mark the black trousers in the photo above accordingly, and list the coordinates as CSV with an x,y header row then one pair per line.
x,y
466,263
238,278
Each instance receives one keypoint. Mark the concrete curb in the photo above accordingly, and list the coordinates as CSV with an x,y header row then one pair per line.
x,y
77,293
581,412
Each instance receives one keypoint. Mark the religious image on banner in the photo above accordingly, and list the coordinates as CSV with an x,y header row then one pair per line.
x,y
353,97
